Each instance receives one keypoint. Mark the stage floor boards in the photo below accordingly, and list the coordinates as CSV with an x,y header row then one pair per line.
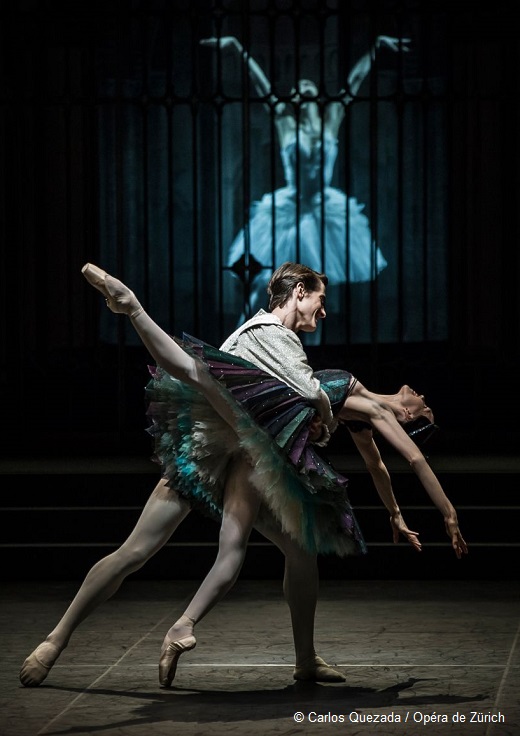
x,y
410,650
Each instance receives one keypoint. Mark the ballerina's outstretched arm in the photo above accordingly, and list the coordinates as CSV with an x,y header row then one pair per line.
x,y
256,73
284,118
385,422
364,441
335,111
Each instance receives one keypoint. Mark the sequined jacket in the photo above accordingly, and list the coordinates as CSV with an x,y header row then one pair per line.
x,y
266,342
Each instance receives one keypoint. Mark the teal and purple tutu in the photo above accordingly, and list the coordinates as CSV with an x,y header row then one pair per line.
x,y
270,422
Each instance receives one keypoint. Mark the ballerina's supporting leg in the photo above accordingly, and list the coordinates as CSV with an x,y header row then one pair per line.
x,y
161,515
240,510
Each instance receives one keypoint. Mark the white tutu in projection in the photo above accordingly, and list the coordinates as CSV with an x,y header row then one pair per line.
x,y
313,223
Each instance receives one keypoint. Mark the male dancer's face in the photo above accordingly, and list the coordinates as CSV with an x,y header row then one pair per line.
x,y
312,309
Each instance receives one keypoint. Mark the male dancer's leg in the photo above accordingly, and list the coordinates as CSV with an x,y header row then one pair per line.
x,y
161,515
300,587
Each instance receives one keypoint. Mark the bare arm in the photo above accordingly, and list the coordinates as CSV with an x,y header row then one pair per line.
x,y
368,450
258,77
285,121
362,67
356,77
384,421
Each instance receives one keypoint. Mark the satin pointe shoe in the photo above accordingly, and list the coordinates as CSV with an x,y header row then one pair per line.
x,y
170,657
119,298
34,671
316,669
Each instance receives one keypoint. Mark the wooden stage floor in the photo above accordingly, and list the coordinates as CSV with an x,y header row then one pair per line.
x,y
421,657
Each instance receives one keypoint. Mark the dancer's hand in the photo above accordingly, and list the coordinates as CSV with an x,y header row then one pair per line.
x,y
319,433
457,540
394,44
315,428
399,527
224,42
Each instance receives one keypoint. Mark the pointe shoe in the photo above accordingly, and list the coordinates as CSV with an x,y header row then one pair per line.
x,y
119,298
317,670
170,657
34,671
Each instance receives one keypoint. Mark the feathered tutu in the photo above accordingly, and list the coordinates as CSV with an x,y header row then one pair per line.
x,y
311,221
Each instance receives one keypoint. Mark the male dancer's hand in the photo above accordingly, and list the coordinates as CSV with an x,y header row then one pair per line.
x,y
315,428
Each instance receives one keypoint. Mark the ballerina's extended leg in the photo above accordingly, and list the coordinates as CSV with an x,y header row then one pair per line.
x,y
162,347
119,298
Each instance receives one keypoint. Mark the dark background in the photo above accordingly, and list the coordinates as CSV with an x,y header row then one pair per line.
x,y
69,394
65,391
